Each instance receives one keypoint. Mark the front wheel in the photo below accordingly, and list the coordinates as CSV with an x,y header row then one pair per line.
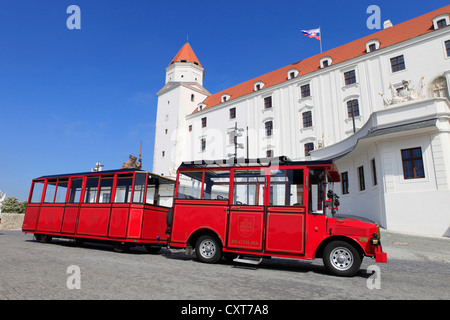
x,y
341,259
208,249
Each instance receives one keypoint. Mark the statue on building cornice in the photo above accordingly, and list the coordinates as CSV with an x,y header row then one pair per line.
x,y
405,93
132,163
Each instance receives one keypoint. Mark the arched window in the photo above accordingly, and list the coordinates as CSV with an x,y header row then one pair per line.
x,y
439,88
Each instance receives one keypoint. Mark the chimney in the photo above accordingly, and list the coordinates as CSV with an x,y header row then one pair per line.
x,y
387,24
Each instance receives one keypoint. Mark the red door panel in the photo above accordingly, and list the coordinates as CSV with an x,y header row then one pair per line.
x,y
29,222
154,224
118,222
246,228
285,229
50,218
93,220
135,223
70,219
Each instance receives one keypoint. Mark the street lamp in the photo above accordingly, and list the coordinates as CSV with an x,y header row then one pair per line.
x,y
235,133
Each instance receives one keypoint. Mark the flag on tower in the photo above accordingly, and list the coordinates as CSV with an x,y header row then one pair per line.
x,y
313,33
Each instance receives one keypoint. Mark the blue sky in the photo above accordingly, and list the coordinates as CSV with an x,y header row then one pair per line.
x,y
70,98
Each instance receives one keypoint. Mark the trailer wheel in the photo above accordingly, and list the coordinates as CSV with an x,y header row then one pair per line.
x,y
45,238
152,249
121,247
341,258
208,249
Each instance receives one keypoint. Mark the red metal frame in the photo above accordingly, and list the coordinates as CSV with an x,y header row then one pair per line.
x,y
137,223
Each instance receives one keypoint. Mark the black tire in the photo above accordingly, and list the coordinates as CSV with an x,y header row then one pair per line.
x,y
341,259
208,249
46,238
152,249
121,247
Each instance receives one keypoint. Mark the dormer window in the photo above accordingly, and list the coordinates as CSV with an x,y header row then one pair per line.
x,y
201,106
441,21
225,97
258,85
292,73
372,45
325,62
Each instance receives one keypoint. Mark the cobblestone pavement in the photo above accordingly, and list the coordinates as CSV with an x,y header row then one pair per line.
x,y
418,268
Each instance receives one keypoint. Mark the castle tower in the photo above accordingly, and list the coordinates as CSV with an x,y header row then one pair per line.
x,y
180,96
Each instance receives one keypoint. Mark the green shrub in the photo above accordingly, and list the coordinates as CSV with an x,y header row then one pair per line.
x,y
12,205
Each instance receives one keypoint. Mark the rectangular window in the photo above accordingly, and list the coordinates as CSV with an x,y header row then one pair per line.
x,y
447,47
307,119
75,190
232,113
248,187
308,148
353,108
305,90
286,187
190,185
61,191
344,180
350,77
123,189
412,163
372,47
269,128
139,187
91,190
362,183
269,153
106,184
38,188
216,186
441,23
374,172
203,144
190,128
316,198
398,63
50,192
267,102
204,122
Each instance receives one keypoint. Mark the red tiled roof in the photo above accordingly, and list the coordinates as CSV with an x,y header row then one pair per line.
x,y
186,53
387,37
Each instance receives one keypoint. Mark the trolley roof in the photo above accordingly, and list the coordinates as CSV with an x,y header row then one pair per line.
x,y
162,179
243,162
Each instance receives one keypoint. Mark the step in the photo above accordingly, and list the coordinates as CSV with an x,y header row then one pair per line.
x,y
248,260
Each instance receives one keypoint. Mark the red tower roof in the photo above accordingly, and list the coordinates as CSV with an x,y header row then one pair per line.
x,y
186,54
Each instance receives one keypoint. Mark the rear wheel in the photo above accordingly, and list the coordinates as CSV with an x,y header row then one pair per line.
x,y
342,258
208,249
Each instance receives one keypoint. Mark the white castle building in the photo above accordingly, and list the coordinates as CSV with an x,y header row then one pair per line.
x,y
379,106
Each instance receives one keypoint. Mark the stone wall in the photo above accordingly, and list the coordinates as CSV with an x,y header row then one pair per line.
x,y
11,221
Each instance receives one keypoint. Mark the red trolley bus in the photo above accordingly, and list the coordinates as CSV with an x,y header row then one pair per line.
x,y
127,207
264,208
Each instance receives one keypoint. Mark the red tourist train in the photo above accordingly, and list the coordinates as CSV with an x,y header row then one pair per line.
x,y
238,210
127,207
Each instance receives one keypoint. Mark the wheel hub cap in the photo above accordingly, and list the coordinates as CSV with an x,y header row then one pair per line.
x,y
341,258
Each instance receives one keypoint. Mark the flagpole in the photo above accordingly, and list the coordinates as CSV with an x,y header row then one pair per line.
x,y
320,30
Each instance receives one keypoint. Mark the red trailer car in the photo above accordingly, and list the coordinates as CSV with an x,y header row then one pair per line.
x,y
267,208
127,207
